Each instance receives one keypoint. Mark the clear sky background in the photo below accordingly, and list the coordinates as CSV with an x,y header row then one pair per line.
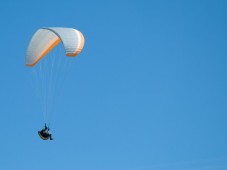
x,y
148,92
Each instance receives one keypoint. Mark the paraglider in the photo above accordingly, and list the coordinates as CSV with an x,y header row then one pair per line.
x,y
43,42
45,133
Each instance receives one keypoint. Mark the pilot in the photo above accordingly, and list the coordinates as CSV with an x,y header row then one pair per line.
x,y
45,134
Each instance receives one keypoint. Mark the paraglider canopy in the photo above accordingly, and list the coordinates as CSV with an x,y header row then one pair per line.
x,y
45,39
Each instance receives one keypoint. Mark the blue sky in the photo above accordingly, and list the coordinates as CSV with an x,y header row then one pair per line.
x,y
147,92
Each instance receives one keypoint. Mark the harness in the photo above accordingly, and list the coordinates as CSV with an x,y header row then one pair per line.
x,y
43,136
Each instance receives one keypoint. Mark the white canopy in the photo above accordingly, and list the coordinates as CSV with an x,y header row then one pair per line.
x,y
45,39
